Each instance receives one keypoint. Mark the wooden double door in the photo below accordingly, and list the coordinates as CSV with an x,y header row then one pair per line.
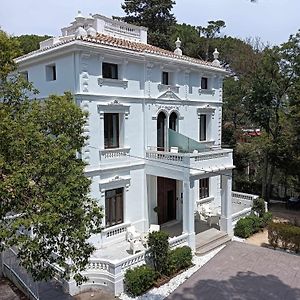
x,y
166,199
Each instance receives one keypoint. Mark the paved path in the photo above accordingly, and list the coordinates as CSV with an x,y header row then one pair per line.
x,y
244,272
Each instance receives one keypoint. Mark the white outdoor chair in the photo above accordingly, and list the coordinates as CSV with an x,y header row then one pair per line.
x,y
214,219
132,234
174,149
154,227
136,245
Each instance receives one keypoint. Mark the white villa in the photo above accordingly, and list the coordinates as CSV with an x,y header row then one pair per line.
x,y
154,150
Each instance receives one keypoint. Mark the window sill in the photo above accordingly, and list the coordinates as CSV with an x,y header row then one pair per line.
x,y
207,92
113,82
164,88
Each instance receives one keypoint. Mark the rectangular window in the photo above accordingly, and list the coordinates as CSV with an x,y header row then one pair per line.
x,y
110,70
51,73
111,130
114,207
203,188
202,136
165,78
204,83
24,75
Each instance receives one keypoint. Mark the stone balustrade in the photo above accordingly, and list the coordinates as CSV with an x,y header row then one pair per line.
x,y
107,155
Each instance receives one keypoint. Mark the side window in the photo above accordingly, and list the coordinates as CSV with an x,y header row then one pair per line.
x,y
111,130
204,83
203,127
165,78
51,72
110,70
203,188
114,213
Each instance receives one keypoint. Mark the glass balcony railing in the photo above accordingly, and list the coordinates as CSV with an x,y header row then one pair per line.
x,y
184,143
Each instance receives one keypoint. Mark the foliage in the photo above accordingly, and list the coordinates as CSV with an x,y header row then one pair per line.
x,y
139,279
284,235
245,227
43,190
179,259
158,250
259,206
9,50
266,219
155,15
30,42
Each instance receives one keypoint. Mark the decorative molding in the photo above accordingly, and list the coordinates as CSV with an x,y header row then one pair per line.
x,y
207,92
113,107
164,88
169,95
112,82
206,110
114,183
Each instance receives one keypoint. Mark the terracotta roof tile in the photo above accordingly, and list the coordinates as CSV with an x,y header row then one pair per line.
x,y
125,44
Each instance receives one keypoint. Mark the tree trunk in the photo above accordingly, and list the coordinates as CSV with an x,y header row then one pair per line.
x,y
269,183
265,176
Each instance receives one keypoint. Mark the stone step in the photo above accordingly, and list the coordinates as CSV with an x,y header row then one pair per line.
x,y
212,244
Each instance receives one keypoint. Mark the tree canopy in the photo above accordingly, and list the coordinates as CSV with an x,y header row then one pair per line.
x,y
155,15
45,211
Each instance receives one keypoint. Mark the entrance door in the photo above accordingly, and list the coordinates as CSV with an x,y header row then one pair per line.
x,y
166,199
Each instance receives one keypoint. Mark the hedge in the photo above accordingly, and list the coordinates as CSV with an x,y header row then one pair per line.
x,y
159,248
247,226
139,280
179,259
284,235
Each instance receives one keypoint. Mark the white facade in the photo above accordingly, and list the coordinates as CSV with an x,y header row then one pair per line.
x,y
116,74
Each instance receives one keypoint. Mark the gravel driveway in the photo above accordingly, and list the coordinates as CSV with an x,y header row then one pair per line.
x,y
244,272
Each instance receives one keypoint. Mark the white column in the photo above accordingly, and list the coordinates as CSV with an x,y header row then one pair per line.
x,y
188,212
226,203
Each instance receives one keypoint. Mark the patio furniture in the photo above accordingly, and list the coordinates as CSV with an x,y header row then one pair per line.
x,y
154,227
135,239
136,245
213,219
132,234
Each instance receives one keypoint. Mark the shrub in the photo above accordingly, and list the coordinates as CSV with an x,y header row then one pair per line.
x,y
243,228
266,219
159,250
139,279
285,235
247,226
273,234
259,206
179,259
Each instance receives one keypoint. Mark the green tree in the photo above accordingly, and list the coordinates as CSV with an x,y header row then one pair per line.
x,y
210,32
30,42
155,15
43,190
274,83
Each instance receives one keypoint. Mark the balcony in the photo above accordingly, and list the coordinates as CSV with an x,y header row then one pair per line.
x,y
214,160
186,152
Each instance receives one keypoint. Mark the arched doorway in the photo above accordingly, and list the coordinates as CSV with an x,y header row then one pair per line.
x,y
161,129
173,121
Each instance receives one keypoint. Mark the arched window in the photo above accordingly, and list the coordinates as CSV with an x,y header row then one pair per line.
x,y
173,121
161,128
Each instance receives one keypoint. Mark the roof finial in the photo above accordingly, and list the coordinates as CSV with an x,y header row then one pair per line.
x,y
178,51
216,61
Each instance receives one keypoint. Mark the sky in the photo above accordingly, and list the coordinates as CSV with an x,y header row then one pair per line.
x,y
271,20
